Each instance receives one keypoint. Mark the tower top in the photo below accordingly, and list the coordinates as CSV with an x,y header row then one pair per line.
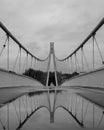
x,y
51,47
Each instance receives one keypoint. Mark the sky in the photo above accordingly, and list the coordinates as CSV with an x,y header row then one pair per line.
x,y
36,23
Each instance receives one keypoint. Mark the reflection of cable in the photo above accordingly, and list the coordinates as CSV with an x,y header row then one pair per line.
x,y
101,119
16,111
3,126
85,111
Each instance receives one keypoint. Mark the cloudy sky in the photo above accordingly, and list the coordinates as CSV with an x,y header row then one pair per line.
x,y
36,23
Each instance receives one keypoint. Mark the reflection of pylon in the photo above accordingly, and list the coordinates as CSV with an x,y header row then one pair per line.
x,y
54,63
51,117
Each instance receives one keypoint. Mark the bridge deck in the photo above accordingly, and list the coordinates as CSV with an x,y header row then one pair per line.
x,y
91,79
8,79
13,85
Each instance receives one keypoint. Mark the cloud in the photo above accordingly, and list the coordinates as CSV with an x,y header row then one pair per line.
x,y
43,21
34,47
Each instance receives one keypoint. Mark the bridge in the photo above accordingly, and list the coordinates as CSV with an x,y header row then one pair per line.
x,y
23,75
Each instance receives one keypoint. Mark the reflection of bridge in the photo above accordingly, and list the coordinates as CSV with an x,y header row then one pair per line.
x,y
22,75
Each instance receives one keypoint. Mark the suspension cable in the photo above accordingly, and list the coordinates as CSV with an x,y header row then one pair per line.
x,y
8,53
77,62
99,50
86,60
99,25
3,46
93,52
31,62
82,59
16,60
8,33
71,64
20,60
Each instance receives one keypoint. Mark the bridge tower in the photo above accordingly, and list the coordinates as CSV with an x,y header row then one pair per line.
x,y
54,62
52,55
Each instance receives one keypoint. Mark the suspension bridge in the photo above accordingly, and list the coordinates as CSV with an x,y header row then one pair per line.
x,y
23,75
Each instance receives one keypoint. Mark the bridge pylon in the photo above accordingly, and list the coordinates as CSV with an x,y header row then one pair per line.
x,y
52,55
